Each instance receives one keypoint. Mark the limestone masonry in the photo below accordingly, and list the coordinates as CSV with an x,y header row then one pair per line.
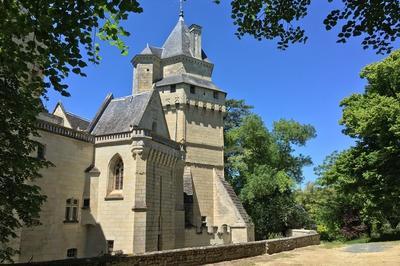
x,y
146,174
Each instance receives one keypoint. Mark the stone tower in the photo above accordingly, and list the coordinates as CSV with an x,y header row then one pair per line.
x,y
194,109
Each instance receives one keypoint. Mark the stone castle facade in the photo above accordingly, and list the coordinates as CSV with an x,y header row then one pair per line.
x,y
146,173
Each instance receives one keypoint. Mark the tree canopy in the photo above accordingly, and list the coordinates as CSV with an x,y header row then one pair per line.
x,y
364,179
263,168
378,22
41,43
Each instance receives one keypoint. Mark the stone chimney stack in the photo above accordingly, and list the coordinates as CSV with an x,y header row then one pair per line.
x,y
195,35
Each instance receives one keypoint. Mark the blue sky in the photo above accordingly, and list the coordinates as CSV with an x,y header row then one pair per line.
x,y
304,83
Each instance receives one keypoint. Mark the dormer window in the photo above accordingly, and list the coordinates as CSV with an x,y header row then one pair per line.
x,y
192,89
173,88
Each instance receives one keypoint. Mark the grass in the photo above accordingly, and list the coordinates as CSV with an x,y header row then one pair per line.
x,y
341,243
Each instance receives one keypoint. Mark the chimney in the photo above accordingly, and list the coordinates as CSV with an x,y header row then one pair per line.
x,y
195,35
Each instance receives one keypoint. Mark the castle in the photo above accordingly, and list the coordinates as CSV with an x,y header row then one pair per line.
x,y
146,173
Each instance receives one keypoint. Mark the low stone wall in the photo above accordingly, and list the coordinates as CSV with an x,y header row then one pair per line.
x,y
198,255
289,243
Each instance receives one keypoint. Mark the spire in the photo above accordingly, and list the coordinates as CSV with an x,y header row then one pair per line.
x,y
178,42
181,13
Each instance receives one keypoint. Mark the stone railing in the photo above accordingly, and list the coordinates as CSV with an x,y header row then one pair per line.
x,y
197,255
136,133
113,137
67,132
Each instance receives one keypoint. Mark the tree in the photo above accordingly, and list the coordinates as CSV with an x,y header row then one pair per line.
x,y
378,21
264,171
335,214
367,174
236,111
41,43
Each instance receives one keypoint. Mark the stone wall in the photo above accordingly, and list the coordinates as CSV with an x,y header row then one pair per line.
x,y
290,243
50,240
199,255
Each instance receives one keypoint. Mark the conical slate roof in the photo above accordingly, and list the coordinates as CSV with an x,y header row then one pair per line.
x,y
178,42
151,50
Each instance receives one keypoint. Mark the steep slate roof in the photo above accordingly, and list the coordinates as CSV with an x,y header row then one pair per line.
x,y
100,112
189,79
151,50
121,114
178,42
77,122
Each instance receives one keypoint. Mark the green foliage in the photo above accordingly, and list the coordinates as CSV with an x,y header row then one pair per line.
x,y
236,110
41,43
377,21
359,187
264,171
20,202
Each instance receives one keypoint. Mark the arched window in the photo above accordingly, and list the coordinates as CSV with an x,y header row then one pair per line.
x,y
119,175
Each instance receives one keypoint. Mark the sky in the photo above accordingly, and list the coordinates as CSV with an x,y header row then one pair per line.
x,y
305,83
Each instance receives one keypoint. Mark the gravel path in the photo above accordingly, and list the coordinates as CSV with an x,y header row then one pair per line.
x,y
379,253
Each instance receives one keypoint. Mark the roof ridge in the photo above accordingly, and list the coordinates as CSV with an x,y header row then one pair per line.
x,y
77,116
131,95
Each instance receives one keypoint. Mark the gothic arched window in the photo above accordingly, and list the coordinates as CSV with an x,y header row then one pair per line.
x,y
119,175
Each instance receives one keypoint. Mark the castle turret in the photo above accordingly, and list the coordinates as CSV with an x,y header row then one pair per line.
x,y
194,108
147,69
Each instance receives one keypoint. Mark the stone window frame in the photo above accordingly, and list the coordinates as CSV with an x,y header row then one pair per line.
x,y
215,94
115,182
41,151
192,89
71,210
86,203
72,253
110,246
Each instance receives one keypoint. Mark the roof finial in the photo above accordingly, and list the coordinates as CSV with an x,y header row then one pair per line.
x,y
181,9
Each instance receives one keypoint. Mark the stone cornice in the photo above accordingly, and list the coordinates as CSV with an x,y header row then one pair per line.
x,y
128,137
63,131
180,103
204,165
147,149
204,146
150,57
181,58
